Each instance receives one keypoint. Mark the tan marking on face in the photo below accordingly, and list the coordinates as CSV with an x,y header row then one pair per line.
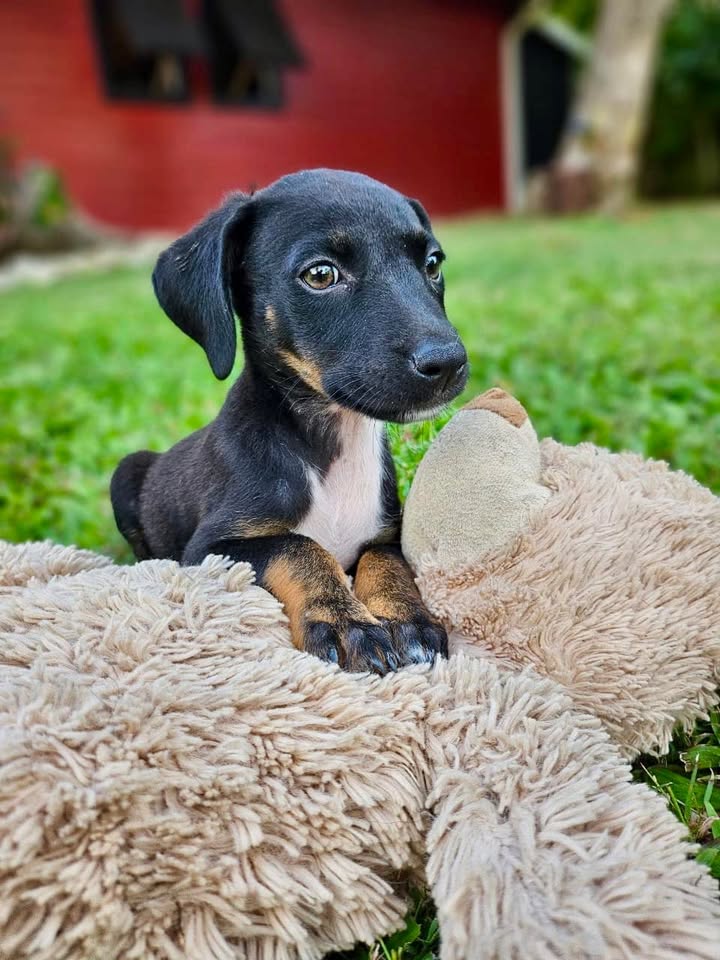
x,y
503,404
308,371
271,318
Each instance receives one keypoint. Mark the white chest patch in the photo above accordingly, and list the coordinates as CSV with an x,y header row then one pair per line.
x,y
345,510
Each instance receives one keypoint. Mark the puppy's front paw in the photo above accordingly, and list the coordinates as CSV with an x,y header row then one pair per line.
x,y
416,636
357,645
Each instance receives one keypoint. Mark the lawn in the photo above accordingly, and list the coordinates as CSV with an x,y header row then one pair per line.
x,y
606,331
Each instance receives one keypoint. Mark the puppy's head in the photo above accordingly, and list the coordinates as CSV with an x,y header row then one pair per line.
x,y
338,283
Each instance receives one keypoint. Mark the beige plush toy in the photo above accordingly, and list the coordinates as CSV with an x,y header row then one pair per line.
x,y
597,569
178,783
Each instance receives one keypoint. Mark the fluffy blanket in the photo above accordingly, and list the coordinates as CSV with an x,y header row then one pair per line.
x,y
178,782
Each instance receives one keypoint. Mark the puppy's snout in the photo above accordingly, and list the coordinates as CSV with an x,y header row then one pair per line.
x,y
441,363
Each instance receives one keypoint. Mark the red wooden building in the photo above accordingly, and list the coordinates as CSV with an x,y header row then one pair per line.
x,y
152,109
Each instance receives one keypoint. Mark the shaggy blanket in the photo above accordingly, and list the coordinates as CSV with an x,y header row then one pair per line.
x,y
178,782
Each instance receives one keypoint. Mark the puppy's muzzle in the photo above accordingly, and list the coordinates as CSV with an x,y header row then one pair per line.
x,y
442,366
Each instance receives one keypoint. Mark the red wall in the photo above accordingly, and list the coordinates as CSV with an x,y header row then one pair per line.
x,y
406,90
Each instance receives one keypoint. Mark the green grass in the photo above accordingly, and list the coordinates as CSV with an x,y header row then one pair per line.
x,y
607,331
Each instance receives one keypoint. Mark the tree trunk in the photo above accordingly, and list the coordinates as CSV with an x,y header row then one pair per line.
x,y
597,162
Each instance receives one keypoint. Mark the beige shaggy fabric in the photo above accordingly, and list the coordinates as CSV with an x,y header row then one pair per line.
x,y
600,570
179,783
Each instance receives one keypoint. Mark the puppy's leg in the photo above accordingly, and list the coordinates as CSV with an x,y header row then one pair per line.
x,y
125,488
384,583
325,618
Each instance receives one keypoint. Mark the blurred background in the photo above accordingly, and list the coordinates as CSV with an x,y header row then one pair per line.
x,y
568,151
144,112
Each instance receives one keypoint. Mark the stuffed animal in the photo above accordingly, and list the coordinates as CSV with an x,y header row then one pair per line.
x,y
597,569
179,782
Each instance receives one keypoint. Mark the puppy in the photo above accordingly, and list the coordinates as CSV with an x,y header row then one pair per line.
x,y
338,283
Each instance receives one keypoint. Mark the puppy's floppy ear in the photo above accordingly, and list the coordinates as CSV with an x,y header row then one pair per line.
x,y
421,212
192,281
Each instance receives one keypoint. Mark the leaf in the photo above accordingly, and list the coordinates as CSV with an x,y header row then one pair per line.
x,y
685,792
710,856
711,812
703,756
403,937
715,724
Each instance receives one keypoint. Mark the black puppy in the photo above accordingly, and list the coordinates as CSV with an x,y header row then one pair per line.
x,y
337,280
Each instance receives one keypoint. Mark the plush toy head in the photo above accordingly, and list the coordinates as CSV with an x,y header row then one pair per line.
x,y
477,487
599,570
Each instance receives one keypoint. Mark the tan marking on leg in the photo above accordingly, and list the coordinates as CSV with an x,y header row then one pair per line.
x,y
281,581
308,371
385,585
503,404
247,529
312,587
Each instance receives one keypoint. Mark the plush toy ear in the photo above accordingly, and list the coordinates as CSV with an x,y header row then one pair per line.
x,y
192,281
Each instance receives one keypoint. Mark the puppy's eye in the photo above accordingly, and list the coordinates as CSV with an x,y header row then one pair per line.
x,y
320,276
433,266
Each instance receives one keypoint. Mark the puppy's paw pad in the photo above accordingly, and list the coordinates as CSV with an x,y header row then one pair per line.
x,y
357,645
418,640
322,640
369,646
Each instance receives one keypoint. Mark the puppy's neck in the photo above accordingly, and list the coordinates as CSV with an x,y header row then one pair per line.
x,y
319,422
345,510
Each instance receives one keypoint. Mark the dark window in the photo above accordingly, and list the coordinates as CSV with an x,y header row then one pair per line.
x,y
250,48
144,47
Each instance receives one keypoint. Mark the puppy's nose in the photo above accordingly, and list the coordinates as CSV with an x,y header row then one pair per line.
x,y
440,362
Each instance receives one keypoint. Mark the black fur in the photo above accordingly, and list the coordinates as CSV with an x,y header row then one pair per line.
x,y
377,342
